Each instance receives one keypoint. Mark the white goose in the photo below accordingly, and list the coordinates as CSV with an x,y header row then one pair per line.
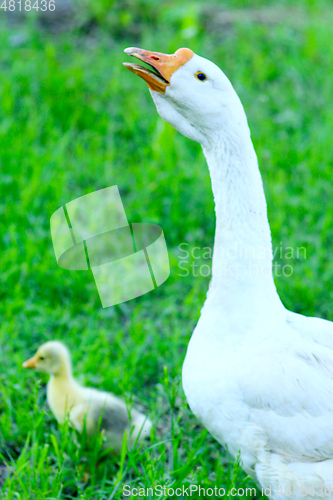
x,y
259,377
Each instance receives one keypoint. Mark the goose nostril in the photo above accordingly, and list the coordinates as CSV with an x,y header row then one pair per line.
x,y
155,58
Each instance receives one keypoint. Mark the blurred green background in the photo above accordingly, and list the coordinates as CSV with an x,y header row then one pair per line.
x,y
73,120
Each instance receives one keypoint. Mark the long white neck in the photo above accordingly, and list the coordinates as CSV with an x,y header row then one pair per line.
x,y
242,259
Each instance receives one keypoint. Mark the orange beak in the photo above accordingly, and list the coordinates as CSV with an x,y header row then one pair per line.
x,y
163,64
30,363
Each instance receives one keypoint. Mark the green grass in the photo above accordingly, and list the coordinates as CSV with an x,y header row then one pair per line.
x,y
73,120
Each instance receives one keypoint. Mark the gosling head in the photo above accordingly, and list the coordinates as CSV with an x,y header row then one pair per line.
x,y
52,357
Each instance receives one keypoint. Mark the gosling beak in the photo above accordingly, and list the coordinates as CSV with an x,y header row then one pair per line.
x,y
30,363
164,65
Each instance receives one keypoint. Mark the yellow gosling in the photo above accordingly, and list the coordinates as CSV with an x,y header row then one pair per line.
x,y
98,409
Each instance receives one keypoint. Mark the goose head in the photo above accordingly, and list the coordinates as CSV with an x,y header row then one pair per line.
x,y
52,357
191,93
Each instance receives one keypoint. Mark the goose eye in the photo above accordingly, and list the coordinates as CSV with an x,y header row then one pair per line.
x,y
200,76
41,358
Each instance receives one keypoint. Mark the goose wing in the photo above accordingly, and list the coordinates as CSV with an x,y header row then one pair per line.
x,y
317,329
290,395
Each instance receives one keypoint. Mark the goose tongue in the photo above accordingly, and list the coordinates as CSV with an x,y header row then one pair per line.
x,y
164,65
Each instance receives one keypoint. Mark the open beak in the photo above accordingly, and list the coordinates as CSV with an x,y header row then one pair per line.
x,y
163,65
30,363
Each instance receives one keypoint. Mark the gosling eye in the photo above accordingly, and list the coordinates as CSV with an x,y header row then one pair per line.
x,y
41,358
200,76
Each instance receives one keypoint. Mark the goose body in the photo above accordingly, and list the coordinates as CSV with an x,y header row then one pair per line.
x,y
96,410
259,377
